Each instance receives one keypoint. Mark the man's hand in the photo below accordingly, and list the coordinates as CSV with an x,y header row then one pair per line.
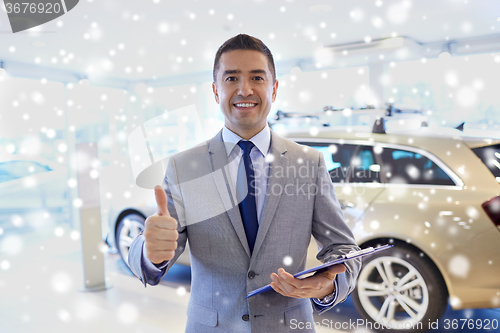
x,y
160,231
316,286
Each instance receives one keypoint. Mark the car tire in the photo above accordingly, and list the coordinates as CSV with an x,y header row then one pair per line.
x,y
394,289
128,228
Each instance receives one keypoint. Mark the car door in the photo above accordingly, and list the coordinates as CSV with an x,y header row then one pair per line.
x,y
417,196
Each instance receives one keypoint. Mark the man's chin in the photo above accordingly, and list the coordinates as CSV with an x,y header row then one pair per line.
x,y
247,124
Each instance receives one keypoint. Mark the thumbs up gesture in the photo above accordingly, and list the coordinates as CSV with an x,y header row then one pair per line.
x,y
160,232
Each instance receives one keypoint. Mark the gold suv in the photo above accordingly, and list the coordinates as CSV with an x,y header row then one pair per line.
x,y
434,194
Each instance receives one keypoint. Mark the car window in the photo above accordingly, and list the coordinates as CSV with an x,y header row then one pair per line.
x,y
364,166
337,158
407,167
490,155
11,170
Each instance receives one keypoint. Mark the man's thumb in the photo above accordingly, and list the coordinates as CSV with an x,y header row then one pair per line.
x,y
161,201
334,270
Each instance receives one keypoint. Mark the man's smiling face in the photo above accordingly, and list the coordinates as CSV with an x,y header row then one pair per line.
x,y
245,90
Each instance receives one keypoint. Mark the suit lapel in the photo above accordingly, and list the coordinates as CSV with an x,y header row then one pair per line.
x,y
275,184
220,172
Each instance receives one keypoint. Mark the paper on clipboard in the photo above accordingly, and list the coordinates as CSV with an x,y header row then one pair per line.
x,y
339,260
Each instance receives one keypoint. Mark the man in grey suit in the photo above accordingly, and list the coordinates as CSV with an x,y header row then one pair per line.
x,y
240,240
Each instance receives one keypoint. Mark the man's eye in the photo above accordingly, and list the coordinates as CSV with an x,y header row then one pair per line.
x,y
258,78
231,78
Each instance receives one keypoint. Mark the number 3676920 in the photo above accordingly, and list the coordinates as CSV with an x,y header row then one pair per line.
x,y
32,7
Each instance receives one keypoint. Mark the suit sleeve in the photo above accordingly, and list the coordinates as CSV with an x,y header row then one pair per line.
x,y
142,267
333,235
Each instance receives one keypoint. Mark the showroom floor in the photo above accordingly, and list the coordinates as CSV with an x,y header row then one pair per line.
x,y
41,292
41,283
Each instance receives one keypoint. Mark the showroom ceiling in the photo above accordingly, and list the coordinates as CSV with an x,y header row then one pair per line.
x,y
142,40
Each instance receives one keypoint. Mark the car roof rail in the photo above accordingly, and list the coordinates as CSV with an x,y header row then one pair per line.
x,y
379,126
413,117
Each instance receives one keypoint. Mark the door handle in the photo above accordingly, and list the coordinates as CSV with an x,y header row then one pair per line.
x,y
345,204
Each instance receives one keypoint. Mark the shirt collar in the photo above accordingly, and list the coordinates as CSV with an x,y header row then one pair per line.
x,y
261,140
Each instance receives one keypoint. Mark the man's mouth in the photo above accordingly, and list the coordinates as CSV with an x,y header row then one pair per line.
x,y
245,105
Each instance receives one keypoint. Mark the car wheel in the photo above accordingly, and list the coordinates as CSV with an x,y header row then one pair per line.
x,y
128,228
398,290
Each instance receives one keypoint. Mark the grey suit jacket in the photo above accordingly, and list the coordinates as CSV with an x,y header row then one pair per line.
x,y
300,201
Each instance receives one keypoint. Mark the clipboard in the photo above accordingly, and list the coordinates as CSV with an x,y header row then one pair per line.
x,y
339,260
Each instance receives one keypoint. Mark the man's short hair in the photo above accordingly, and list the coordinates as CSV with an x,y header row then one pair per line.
x,y
244,42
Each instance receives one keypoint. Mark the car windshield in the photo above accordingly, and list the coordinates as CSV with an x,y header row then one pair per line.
x,y
11,170
490,155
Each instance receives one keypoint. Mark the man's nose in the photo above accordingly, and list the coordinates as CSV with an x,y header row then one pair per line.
x,y
245,88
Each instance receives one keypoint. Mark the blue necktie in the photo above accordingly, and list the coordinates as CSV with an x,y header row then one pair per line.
x,y
248,207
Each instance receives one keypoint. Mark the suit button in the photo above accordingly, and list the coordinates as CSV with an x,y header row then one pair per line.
x,y
245,317
251,274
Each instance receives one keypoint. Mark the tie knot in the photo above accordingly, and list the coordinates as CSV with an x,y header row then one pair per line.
x,y
246,146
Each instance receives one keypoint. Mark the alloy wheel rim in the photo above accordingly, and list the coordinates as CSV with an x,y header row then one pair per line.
x,y
393,292
128,233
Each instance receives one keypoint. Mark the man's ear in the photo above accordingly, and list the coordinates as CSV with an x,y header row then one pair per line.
x,y
275,89
216,94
